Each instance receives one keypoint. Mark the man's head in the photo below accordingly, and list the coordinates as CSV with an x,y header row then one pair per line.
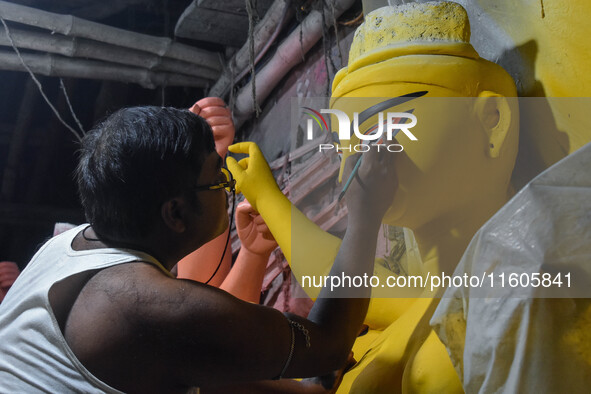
x,y
134,162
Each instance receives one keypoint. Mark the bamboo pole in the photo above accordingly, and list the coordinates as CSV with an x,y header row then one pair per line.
x,y
264,35
288,54
84,48
69,25
59,66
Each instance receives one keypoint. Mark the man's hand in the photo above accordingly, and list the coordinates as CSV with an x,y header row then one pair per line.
x,y
371,191
219,117
252,231
253,175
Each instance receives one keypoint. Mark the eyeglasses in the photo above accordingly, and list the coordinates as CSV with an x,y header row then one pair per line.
x,y
229,184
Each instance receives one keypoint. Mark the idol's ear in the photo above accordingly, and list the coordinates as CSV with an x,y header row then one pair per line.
x,y
172,212
494,113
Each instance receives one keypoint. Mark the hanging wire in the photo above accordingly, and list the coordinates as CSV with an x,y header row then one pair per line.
x,y
299,14
302,54
251,9
39,86
232,99
326,48
336,31
353,22
63,87
330,42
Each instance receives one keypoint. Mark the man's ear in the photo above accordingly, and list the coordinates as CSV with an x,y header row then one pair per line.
x,y
172,213
494,113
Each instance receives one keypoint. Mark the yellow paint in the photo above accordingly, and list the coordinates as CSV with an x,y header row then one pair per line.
x,y
401,29
552,37
449,183
381,368
577,339
431,359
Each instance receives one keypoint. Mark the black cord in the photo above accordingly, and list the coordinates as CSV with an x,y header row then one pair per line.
x,y
227,239
88,238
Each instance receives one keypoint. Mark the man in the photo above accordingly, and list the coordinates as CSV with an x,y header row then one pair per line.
x,y
96,309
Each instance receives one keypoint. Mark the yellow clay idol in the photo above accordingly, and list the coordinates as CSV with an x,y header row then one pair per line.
x,y
451,180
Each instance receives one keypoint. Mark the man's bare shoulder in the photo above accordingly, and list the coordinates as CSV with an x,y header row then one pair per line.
x,y
136,328
124,300
129,321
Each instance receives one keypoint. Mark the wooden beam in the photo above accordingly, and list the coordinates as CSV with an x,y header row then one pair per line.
x,y
59,66
84,48
203,24
69,25
234,6
265,33
220,22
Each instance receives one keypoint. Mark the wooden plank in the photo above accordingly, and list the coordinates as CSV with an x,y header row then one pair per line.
x,y
72,26
212,26
224,23
235,6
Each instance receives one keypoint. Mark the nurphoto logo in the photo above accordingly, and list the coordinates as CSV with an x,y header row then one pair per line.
x,y
388,125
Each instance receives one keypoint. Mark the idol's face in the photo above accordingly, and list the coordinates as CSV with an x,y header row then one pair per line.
x,y
438,171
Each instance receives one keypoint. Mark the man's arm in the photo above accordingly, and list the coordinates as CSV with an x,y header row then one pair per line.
x,y
149,331
333,322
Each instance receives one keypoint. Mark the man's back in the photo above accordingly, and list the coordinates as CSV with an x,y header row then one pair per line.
x,y
33,317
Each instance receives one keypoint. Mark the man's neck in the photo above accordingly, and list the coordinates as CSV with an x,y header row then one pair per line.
x,y
87,239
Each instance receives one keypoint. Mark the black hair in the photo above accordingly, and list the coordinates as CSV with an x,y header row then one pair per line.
x,y
135,160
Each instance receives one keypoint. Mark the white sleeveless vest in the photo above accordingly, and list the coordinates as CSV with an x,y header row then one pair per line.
x,y
34,356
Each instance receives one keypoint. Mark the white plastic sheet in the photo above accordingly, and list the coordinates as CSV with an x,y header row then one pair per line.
x,y
517,339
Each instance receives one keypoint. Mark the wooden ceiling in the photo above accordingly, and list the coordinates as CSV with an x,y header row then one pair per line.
x,y
104,9
218,22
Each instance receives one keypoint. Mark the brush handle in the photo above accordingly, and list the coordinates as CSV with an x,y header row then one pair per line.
x,y
348,183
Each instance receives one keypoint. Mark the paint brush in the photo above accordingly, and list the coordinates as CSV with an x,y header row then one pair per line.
x,y
348,183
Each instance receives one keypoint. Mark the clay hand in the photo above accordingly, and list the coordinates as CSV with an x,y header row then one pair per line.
x,y
219,117
8,273
253,175
371,191
252,230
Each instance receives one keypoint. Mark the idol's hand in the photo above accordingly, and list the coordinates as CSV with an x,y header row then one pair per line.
x,y
219,117
253,232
